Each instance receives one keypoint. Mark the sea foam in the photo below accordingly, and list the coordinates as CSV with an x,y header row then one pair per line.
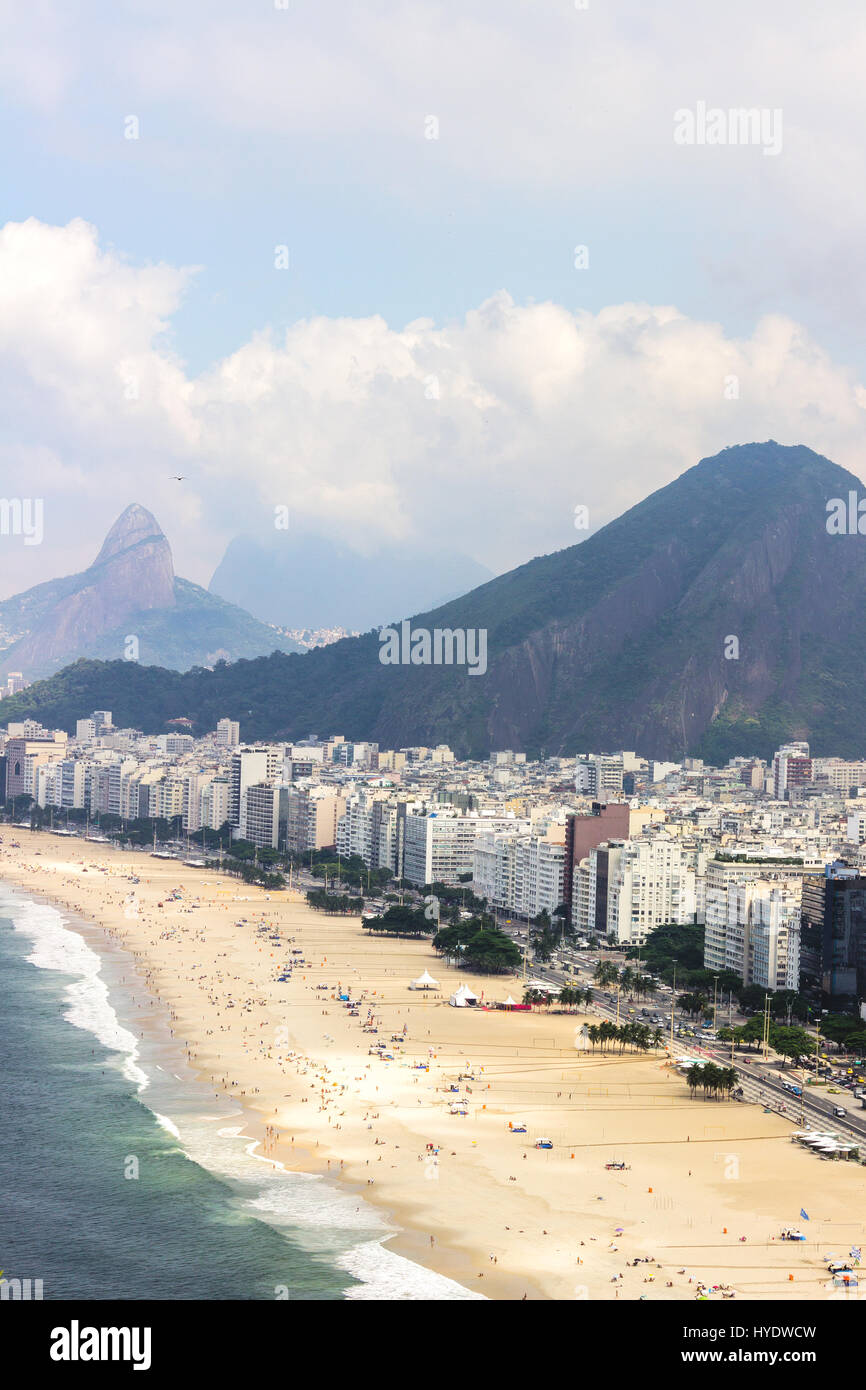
x,y
315,1213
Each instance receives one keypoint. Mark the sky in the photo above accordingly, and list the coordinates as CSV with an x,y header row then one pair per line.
x,y
417,272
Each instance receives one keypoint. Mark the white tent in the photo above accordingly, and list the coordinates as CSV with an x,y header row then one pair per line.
x,y
425,981
509,1001
463,997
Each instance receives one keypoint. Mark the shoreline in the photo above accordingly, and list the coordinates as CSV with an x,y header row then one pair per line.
x,y
250,1124
506,1219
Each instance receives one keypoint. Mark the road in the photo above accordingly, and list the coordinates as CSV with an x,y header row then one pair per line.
x,y
760,1081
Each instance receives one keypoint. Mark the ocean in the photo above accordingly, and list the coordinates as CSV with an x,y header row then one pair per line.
x,y
123,1177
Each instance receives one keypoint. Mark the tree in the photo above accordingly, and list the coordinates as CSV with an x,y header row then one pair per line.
x,y
400,920
692,1004
694,1076
792,1042
835,1028
606,973
491,952
751,997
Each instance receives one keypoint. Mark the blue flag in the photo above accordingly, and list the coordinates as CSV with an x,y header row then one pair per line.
x,y
804,1214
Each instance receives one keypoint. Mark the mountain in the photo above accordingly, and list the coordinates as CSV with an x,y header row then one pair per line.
x,y
130,590
305,581
618,642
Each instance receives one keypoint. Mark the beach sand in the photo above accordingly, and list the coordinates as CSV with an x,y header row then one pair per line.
x,y
489,1209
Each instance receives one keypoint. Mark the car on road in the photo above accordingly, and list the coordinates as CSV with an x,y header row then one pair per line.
x,y
838,1110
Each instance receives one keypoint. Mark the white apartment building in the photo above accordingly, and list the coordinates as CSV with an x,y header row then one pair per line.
x,y
775,938
652,883
251,767
228,733
735,894
64,784
518,871
360,828
590,887
214,803
440,845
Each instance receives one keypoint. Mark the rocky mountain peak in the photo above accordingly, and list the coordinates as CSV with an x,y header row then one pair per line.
x,y
134,525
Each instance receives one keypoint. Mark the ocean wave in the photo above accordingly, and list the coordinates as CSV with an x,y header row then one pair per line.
x,y
317,1214
56,947
388,1277
167,1124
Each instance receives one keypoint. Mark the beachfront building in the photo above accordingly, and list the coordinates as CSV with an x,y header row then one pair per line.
x,y
612,820
591,886
214,803
194,784
519,871
440,845
63,784
833,945
368,828
27,753
775,938
652,883
260,816
312,815
740,906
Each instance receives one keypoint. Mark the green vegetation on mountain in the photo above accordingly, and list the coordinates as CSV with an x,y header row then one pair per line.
x,y
619,642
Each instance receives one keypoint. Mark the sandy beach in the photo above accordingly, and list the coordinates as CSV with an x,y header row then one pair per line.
x,y
472,1198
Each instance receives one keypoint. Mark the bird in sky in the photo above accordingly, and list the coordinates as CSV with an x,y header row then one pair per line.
x,y
179,479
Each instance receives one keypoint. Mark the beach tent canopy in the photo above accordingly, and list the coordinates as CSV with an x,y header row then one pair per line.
x,y
509,1001
425,981
463,997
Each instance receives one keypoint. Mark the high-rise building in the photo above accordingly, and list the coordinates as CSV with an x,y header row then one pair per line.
x,y
735,891
833,935
792,768
607,820
228,733
519,871
312,817
652,883
25,754
440,845
260,810
251,767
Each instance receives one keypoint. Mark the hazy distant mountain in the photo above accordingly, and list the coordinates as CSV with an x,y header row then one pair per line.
x,y
303,581
622,641
130,590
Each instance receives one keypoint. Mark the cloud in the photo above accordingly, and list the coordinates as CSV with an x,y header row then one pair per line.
x,y
482,434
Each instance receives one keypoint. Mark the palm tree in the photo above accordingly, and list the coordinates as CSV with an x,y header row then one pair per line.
x,y
694,1076
729,1080
606,973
